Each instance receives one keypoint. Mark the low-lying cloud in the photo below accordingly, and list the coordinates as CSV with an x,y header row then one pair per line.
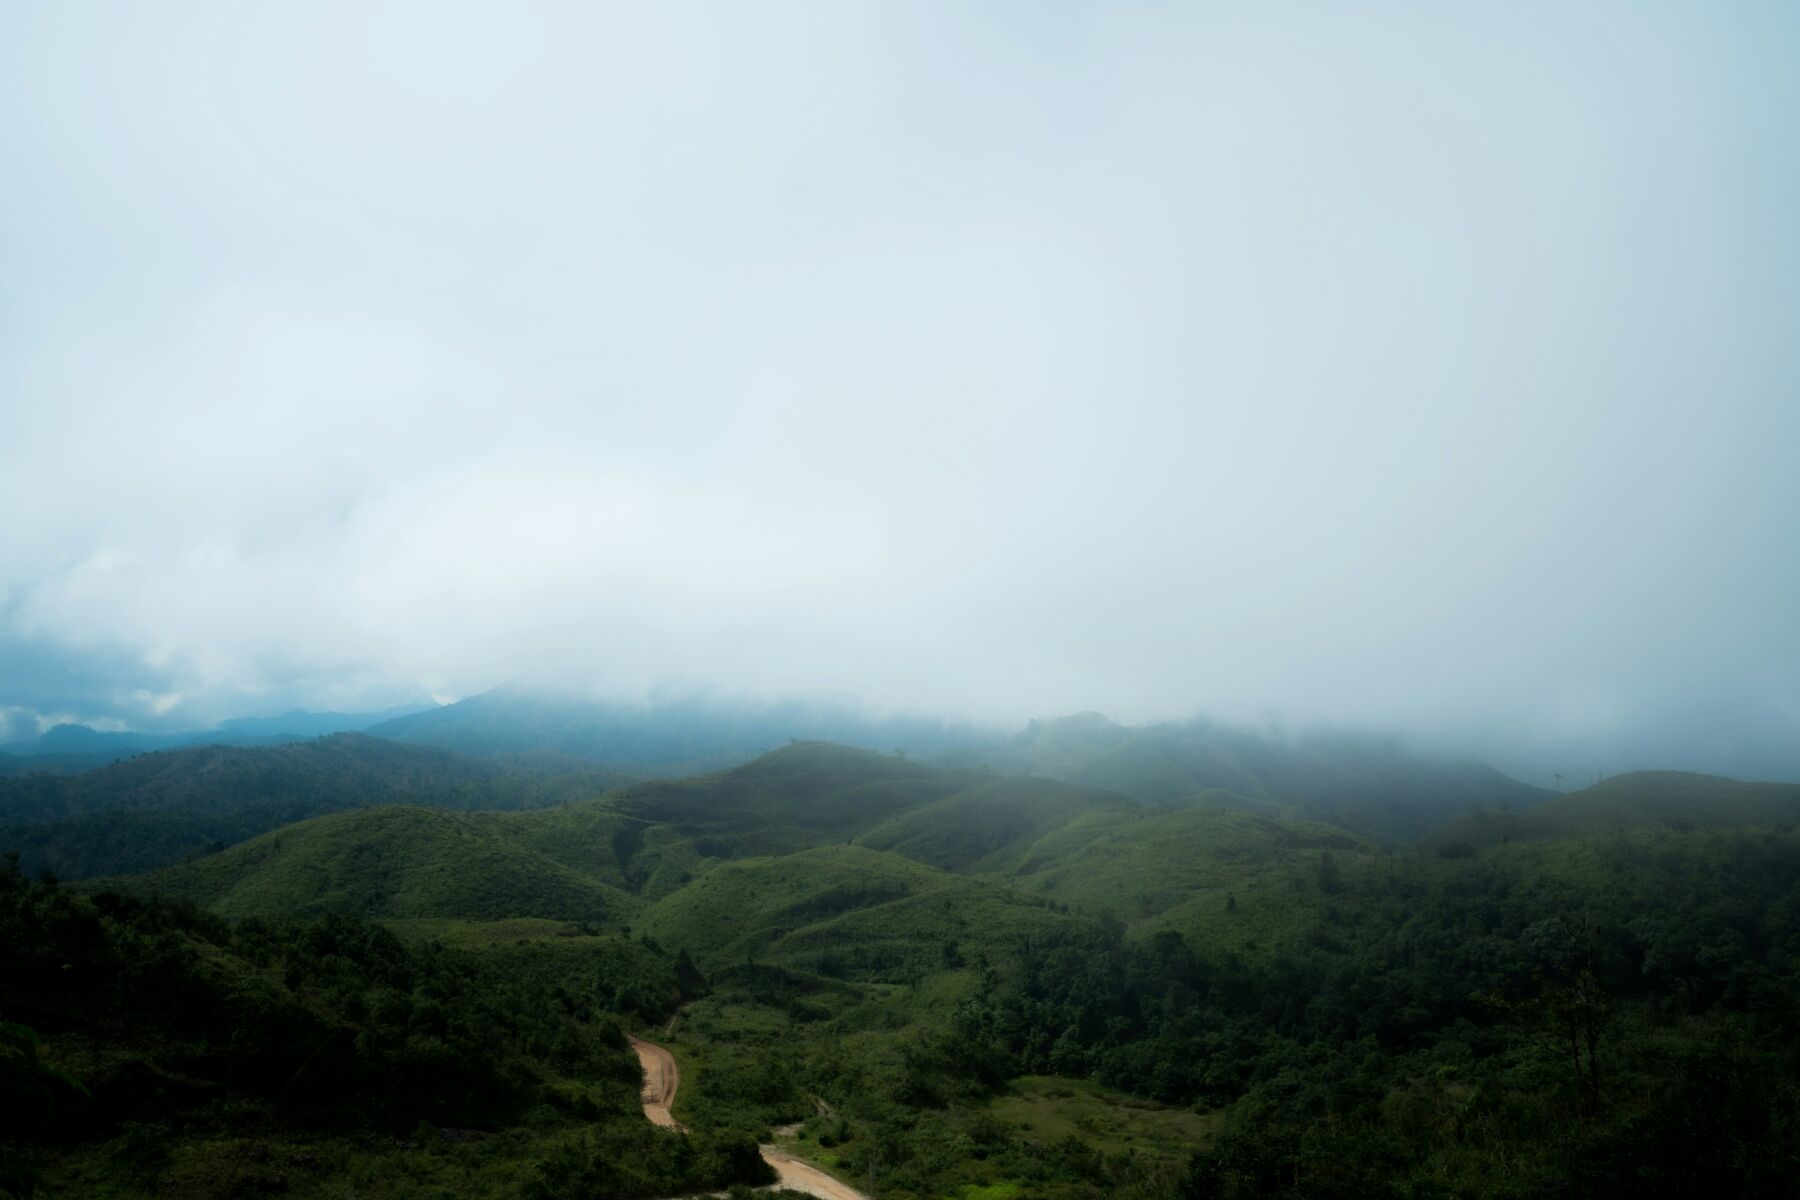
x,y
1384,367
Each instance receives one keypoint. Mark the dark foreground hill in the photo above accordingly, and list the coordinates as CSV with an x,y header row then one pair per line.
x,y
160,808
190,1056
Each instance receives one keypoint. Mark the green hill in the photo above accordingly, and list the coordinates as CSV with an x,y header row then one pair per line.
x,y
652,838
842,911
1223,877
158,809
1639,800
874,947
389,862
980,827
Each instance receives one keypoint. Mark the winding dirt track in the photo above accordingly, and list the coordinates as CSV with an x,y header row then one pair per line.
x,y
661,1078
801,1176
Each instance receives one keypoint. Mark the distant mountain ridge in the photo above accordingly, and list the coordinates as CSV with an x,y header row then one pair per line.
x,y
513,747
77,747
1638,800
662,737
155,809
1367,783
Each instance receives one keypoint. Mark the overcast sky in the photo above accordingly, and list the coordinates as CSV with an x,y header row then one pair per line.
x,y
1428,366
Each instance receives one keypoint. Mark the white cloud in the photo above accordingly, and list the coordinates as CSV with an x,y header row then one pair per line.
x,y
1391,365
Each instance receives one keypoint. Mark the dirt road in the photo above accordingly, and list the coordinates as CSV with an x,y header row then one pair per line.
x,y
801,1176
661,1078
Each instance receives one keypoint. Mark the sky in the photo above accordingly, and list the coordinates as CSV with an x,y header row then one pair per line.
x,y
1428,367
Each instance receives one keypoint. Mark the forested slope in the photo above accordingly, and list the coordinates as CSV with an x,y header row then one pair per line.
x,y
160,808
893,953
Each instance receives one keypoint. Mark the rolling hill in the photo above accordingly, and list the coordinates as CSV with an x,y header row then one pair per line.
x,y
1639,800
389,862
879,945
156,809
843,912
83,743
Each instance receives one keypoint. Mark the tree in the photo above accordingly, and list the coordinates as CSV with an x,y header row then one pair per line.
x,y
29,1086
1571,1003
1331,880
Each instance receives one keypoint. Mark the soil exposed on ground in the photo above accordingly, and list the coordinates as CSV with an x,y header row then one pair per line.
x,y
662,1077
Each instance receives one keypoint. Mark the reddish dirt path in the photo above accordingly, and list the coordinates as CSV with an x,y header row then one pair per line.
x,y
662,1077
802,1176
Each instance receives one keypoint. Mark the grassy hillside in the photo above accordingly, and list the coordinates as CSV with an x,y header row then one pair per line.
x,y
844,912
1641,800
389,862
653,838
981,826
1223,877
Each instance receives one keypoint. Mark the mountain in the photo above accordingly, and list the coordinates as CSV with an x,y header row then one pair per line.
x,y
1376,786
62,746
660,738
299,723
12,766
1373,785
159,808
1638,800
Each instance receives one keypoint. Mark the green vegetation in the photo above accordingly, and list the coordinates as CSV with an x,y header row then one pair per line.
x,y
1047,1110
304,1057
390,862
159,809
954,982
1642,800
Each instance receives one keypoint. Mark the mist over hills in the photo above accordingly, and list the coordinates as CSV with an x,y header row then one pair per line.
x,y
1374,783
1368,782
1638,801
158,808
662,736
68,746
514,747
1047,567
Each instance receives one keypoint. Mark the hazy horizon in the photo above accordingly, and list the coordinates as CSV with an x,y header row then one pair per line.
x,y
1393,368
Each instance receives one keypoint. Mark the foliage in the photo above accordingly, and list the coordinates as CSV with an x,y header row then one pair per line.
x,y
158,809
